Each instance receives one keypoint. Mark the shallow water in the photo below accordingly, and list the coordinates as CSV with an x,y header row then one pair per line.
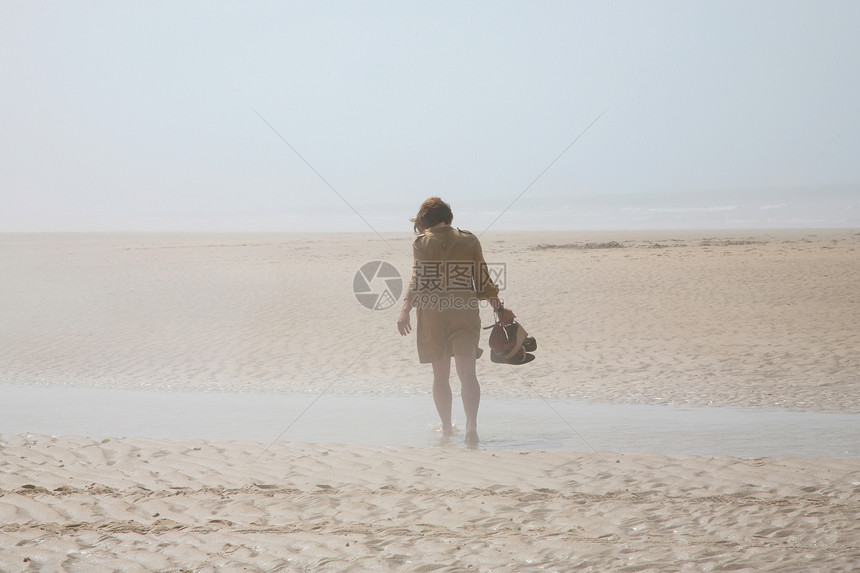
x,y
526,424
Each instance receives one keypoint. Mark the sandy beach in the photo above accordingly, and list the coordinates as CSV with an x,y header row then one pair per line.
x,y
76,504
763,320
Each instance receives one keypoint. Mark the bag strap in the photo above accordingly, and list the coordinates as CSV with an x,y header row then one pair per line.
x,y
497,314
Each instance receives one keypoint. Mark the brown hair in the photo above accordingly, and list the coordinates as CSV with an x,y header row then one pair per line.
x,y
432,212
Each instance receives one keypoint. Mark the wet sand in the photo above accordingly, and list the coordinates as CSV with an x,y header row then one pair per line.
x,y
411,420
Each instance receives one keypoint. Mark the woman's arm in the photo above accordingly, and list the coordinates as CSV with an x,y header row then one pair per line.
x,y
404,325
485,288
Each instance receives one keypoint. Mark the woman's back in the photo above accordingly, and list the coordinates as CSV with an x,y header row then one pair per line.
x,y
449,263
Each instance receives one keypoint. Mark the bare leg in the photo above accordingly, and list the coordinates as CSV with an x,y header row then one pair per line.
x,y
470,391
442,392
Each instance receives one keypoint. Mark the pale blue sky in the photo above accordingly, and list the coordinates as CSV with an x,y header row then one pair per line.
x,y
141,115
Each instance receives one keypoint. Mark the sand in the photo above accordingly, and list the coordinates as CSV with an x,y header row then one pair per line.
x,y
764,319
753,319
85,505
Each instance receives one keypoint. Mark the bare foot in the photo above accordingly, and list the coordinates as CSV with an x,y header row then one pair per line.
x,y
472,437
447,431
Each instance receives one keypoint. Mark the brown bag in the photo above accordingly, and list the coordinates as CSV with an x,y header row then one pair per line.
x,y
507,340
499,336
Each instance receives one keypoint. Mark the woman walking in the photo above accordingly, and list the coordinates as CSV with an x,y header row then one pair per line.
x,y
449,278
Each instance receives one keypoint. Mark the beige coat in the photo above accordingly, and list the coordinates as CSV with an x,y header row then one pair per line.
x,y
449,278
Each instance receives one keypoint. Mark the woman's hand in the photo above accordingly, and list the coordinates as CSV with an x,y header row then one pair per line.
x,y
506,316
403,323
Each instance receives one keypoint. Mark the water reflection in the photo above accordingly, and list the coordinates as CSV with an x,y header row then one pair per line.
x,y
411,421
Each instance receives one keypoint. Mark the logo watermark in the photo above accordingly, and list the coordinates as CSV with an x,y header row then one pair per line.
x,y
377,285
440,285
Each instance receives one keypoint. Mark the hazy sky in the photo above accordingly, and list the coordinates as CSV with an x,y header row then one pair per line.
x,y
143,115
